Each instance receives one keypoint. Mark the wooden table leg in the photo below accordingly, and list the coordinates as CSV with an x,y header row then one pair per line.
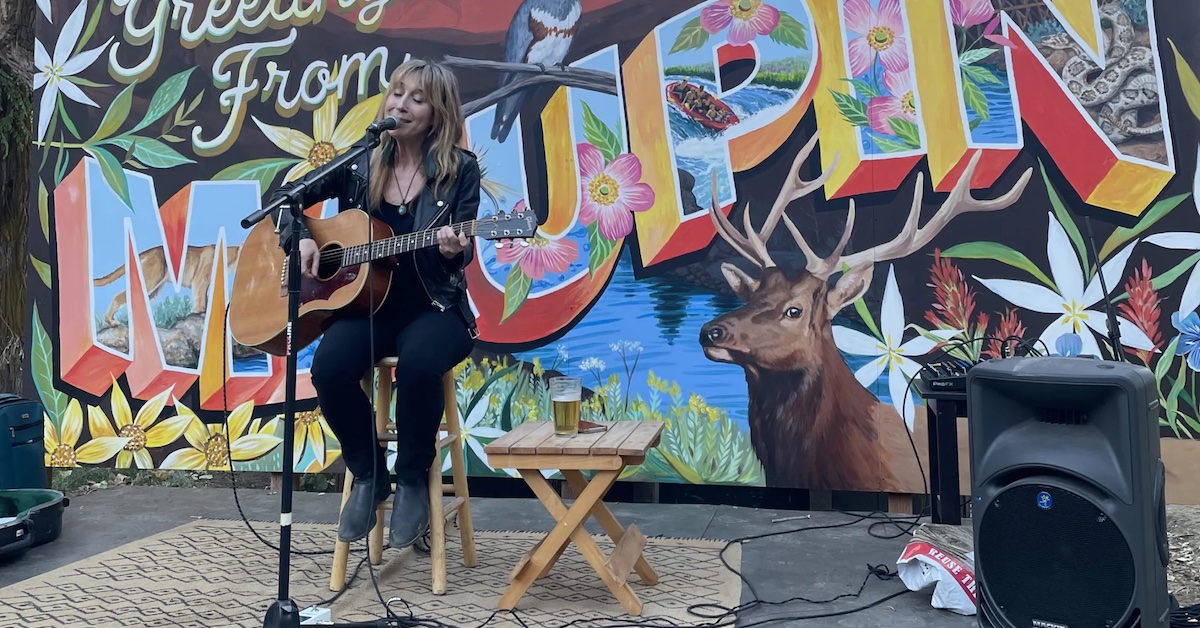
x,y
609,523
569,528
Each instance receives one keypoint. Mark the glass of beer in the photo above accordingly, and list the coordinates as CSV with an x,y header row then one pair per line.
x,y
565,396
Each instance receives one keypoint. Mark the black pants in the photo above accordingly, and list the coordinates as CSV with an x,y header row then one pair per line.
x,y
426,343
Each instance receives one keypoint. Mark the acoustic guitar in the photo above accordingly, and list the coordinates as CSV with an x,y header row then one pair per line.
x,y
350,276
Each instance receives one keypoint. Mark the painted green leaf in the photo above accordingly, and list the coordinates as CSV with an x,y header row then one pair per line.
x,y
691,37
42,268
1172,404
889,145
42,365
44,209
82,82
67,121
975,122
979,74
975,99
1068,223
157,154
117,112
863,88
1187,80
599,248
906,131
860,306
1165,360
516,288
164,98
790,32
1167,278
90,29
853,109
600,136
1121,235
975,55
264,170
1001,253
113,173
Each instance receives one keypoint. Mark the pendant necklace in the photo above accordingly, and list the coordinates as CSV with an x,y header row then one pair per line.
x,y
404,194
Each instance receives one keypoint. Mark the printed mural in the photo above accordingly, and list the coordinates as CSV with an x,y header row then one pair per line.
x,y
936,168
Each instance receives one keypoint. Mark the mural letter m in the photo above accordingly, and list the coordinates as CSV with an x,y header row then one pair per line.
x,y
142,288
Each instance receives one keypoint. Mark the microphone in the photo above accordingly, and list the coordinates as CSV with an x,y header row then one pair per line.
x,y
386,124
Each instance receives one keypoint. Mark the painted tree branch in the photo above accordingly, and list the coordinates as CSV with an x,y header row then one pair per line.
x,y
583,78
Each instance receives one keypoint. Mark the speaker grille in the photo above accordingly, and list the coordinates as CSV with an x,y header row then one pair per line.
x,y
1046,554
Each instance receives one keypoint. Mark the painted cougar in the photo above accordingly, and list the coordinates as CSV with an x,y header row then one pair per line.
x,y
196,276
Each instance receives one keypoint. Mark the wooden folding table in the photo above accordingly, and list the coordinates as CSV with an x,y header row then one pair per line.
x,y
533,447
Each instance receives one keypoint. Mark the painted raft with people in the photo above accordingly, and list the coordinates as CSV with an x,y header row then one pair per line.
x,y
695,102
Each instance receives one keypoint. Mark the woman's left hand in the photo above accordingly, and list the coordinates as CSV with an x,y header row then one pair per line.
x,y
450,243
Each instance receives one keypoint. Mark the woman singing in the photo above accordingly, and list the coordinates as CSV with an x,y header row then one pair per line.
x,y
416,179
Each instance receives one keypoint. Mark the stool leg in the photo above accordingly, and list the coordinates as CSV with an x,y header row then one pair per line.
x,y
341,549
437,529
458,469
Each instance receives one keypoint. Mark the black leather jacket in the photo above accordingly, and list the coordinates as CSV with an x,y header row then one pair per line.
x,y
444,280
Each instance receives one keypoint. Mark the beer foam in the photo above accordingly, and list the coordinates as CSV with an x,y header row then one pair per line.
x,y
567,395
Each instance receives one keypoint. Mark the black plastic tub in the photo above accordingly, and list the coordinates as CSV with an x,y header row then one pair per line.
x,y
29,517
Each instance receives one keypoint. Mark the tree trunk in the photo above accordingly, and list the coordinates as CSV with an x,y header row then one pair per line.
x,y
16,125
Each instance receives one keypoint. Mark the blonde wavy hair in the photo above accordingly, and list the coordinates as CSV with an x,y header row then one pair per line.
x,y
446,128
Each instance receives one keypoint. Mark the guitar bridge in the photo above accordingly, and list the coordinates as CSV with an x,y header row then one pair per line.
x,y
283,278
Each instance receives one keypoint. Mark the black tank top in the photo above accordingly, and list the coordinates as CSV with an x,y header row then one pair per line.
x,y
406,294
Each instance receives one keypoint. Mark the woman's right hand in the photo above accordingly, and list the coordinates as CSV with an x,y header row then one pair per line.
x,y
309,258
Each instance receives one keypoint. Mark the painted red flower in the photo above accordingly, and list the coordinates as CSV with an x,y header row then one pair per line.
x,y
611,192
745,19
538,255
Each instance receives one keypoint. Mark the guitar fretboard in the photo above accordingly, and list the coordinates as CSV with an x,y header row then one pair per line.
x,y
387,247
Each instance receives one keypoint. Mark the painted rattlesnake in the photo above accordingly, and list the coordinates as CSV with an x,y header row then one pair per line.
x,y
1126,84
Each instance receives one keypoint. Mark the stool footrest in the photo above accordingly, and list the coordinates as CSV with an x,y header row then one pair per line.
x,y
452,438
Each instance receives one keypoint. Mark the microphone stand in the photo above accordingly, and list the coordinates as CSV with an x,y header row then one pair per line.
x,y
283,613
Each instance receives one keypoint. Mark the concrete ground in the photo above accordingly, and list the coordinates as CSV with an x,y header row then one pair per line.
x,y
816,564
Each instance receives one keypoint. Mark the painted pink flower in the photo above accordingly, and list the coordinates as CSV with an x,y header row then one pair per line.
x,y
745,19
538,255
881,33
989,33
968,13
611,192
903,104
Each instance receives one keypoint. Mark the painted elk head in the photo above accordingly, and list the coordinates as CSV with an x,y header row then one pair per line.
x,y
785,322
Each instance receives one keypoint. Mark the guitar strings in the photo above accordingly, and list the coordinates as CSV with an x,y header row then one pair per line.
x,y
401,240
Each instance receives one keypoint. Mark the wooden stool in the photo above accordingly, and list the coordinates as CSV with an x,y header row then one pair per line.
x,y
439,513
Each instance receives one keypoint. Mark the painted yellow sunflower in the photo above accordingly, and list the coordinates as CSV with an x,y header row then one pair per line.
x,y
61,450
144,432
212,448
329,139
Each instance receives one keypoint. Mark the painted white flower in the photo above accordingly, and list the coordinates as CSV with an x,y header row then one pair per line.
x,y
890,353
1072,300
44,5
53,72
1185,241
471,431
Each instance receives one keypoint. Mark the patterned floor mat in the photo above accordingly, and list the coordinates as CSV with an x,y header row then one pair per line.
x,y
216,573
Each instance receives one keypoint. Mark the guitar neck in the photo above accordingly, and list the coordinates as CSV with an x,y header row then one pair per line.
x,y
403,243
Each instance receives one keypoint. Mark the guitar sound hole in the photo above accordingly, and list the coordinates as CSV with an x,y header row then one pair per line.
x,y
331,262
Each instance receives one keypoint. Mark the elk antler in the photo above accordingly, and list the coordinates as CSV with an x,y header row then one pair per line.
x,y
913,238
753,246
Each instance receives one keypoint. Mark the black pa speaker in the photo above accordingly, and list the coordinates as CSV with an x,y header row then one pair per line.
x,y
1069,510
